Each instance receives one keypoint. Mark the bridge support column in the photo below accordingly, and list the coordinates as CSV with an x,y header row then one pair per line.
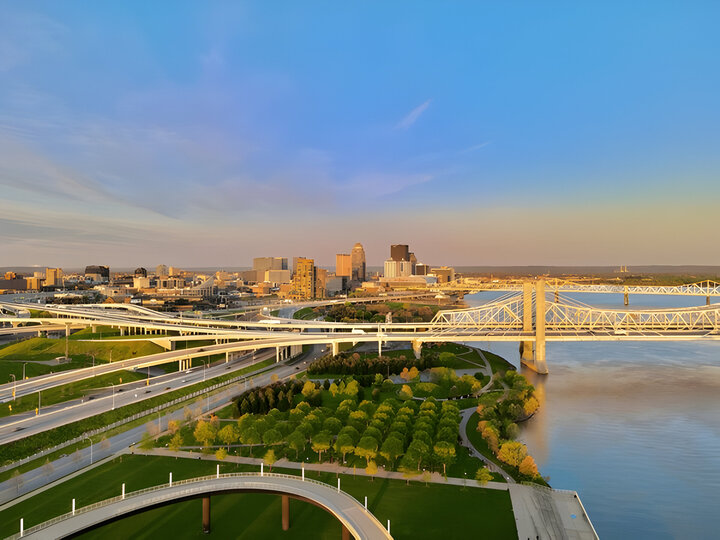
x,y
206,515
526,347
277,353
540,365
285,512
626,298
417,348
335,348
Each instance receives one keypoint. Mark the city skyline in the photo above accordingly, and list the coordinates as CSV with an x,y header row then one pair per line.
x,y
204,135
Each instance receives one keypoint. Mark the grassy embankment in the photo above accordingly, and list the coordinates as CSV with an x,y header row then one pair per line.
x,y
416,511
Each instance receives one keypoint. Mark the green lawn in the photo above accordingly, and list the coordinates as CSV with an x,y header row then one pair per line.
x,y
305,314
415,511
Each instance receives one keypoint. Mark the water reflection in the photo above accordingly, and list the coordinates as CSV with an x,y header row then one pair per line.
x,y
632,426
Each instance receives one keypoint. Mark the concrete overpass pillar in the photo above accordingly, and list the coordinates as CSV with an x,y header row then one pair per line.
x,y
417,348
94,329
335,348
206,515
285,512
527,346
539,365
277,353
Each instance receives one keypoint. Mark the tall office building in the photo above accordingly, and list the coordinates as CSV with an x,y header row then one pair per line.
x,y
140,272
357,260
161,270
400,252
343,265
395,269
53,277
304,280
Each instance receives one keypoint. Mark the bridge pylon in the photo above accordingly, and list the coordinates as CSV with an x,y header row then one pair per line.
x,y
535,360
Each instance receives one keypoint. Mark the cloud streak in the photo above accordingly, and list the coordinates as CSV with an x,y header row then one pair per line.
x,y
413,116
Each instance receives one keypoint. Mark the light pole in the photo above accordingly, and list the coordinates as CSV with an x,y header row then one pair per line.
x,y
13,376
113,396
204,368
91,445
25,364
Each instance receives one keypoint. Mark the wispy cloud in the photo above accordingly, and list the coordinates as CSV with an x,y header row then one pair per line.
x,y
474,147
413,115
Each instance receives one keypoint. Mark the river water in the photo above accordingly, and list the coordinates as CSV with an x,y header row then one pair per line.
x,y
633,427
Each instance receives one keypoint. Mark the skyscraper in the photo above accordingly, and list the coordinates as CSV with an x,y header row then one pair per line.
x,y
357,256
161,270
53,277
400,252
343,265
304,278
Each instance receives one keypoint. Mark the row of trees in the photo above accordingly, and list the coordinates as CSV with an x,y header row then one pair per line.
x,y
354,364
376,313
498,423
406,436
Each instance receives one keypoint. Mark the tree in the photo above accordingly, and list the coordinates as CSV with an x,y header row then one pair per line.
x,y
371,469
344,444
221,454
296,441
483,476
173,426
176,442
392,448
308,389
445,452
418,450
272,436
512,453
228,435
269,458
204,433
405,392
366,448
321,442
333,425
530,406
250,436
147,442
528,467
426,476
333,389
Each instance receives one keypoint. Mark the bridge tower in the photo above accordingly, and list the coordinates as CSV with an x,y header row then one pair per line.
x,y
535,360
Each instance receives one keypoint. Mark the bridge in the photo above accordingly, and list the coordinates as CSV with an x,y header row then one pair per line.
x,y
705,288
355,519
527,317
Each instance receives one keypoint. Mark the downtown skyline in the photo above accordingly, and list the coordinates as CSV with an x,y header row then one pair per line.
x,y
206,135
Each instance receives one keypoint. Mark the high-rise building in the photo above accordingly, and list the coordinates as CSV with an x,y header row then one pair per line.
x,y
53,277
140,272
422,269
395,269
173,271
321,276
263,264
161,270
357,260
400,252
304,280
343,265
413,262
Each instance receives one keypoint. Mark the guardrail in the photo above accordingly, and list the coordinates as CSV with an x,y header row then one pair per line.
x,y
127,420
138,493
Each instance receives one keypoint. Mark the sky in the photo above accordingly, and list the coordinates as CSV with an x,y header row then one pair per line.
x,y
200,134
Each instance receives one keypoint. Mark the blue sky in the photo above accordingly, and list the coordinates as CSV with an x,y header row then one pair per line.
x,y
207,133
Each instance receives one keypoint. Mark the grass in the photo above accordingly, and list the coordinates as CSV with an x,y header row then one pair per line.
x,y
305,314
415,511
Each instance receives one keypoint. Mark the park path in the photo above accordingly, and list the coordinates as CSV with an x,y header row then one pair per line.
x,y
336,468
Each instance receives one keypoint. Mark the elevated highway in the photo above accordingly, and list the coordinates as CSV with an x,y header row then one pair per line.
x,y
356,520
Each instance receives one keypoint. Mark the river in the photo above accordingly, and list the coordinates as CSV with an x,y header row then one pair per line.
x,y
633,427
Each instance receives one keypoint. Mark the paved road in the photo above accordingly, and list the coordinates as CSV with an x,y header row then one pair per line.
x,y
24,424
41,476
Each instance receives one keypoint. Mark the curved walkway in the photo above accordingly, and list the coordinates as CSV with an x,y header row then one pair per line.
x,y
359,522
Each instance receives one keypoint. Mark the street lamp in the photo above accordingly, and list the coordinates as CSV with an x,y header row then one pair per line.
x,y
113,396
13,376
25,364
91,445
